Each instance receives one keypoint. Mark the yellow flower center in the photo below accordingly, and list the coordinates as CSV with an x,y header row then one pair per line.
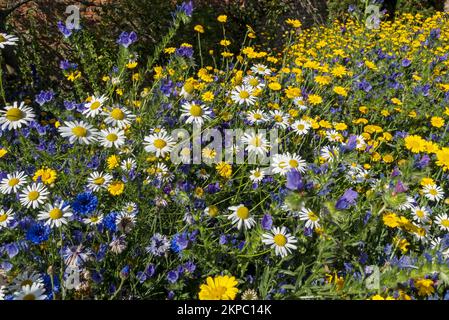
x,y
3,217
218,292
313,216
117,114
244,94
257,116
278,118
14,114
26,282
33,195
94,219
254,82
280,240
99,181
29,297
196,111
293,163
243,213
159,143
55,214
300,127
95,105
420,213
256,141
2,39
13,182
257,174
79,131
433,192
445,223
112,137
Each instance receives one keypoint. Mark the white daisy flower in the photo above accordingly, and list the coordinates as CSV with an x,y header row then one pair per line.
x,y
253,82
257,175
7,40
261,69
112,137
311,218
329,153
241,217
2,293
128,164
256,143
34,195
98,180
94,106
442,221
125,221
55,214
361,144
280,240
93,219
256,116
27,278
301,127
159,143
409,203
294,161
333,136
119,117
130,207
15,116
31,292
279,118
5,217
433,192
299,102
243,95
279,164
195,113
78,131
13,182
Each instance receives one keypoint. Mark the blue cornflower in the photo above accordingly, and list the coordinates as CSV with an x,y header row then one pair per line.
x,y
185,51
85,203
294,180
186,8
267,222
159,245
38,233
179,242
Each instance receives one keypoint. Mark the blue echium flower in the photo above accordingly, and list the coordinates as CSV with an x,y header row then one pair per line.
x,y
85,203
186,8
347,199
294,180
267,222
180,242
185,51
172,276
44,97
38,233
127,38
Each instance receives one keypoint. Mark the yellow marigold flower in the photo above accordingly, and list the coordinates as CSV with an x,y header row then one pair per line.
x,y
396,101
341,126
47,176
388,158
219,288
225,42
106,78
341,91
113,162
212,211
116,188
385,113
443,158
222,18
131,64
391,220
292,92
414,143
3,152
323,80
371,65
427,181
402,244
136,77
199,28
363,109
339,71
325,124
226,54
74,76
315,99
295,23
208,96
275,86
437,122
425,287
377,297
224,169
170,50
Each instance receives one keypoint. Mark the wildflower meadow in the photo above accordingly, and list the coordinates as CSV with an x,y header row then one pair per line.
x,y
231,171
